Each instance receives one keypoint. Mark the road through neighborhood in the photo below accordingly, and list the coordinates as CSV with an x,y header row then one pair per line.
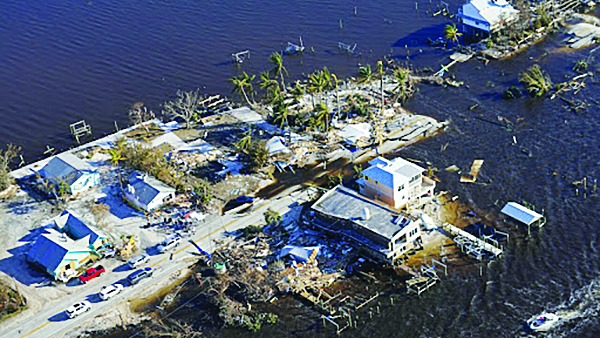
x,y
51,321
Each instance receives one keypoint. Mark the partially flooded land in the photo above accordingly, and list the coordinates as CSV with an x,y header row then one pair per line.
x,y
326,207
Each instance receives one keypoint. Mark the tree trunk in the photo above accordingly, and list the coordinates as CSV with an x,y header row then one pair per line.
x,y
382,100
337,99
246,96
282,82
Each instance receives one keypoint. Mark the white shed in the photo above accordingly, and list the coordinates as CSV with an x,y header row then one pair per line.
x,y
523,214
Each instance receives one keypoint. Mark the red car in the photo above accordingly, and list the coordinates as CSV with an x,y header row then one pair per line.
x,y
91,273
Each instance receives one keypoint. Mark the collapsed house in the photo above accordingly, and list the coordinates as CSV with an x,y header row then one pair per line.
x,y
398,182
68,169
65,245
383,233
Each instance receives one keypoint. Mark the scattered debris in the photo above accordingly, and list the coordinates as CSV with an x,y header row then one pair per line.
x,y
472,176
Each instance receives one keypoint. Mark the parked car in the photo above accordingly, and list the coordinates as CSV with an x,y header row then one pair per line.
x,y
91,273
78,308
140,274
109,253
138,260
109,291
244,199
169,243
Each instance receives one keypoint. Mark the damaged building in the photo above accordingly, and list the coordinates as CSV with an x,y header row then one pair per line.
x,y
383,233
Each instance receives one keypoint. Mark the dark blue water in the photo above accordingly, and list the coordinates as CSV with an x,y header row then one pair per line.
x,y
62,61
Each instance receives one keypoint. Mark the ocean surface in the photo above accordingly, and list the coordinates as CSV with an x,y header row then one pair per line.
x,y
63,61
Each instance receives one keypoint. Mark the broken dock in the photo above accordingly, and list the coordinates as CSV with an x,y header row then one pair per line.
x,y
472,245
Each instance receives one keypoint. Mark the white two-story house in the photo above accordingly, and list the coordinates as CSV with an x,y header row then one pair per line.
x,y
397,182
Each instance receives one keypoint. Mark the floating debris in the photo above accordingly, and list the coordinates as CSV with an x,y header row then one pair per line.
x,y
295,49
240,57
348,48
472,176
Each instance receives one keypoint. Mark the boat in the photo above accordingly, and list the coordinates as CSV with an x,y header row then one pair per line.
x,y
543,322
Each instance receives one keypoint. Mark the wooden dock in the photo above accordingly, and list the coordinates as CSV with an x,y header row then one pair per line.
x,y
494,250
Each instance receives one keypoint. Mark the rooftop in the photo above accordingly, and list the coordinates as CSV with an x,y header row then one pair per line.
x,y
493,11
146,187
397,171
72,224
520,213
344,203
66,166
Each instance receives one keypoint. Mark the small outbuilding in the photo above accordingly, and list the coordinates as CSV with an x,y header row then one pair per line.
x,y
69,169
146,192
523,214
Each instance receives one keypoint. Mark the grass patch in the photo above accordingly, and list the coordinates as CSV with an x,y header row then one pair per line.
x,y
140,134
187,135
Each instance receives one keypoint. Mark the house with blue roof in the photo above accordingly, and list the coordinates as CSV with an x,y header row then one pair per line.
x,y
146,192
486,15
74,172
70,223
65,245
397,183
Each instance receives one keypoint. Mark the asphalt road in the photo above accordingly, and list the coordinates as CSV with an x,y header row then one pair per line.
x,y
51,321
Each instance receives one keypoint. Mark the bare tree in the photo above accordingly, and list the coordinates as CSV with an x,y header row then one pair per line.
x,y
139,114
185,106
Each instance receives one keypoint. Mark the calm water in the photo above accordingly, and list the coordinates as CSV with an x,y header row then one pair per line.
x,y
69,60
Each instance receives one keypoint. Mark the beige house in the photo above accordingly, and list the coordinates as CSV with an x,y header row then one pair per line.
x,y
398,182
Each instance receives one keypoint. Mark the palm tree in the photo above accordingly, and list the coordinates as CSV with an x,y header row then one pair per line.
x,y
337,93
298,90
327,78
281,113
451,33
268,84
277,60
243,84
322,117
317,83
403,89
245,143
115,158
536,80
365,74
380,72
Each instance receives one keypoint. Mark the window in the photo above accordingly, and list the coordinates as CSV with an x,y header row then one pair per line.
x,y
413,232
401,187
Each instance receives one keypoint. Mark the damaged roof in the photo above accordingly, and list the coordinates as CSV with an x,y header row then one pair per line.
x,y
347,204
